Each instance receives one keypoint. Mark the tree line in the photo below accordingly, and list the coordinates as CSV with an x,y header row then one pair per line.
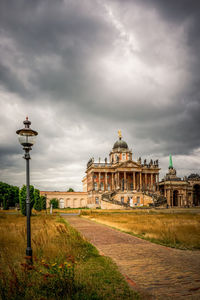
x,y
11,195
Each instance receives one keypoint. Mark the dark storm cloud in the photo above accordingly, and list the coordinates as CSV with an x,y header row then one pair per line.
x,y
83,69
9,80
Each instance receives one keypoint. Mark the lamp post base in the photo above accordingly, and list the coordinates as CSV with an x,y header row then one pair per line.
x,y
29,255
28,251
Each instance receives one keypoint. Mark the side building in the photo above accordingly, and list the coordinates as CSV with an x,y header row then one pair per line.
x,y
180,192
66,199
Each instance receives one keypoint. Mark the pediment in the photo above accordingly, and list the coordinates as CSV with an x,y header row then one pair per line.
x,y
129,164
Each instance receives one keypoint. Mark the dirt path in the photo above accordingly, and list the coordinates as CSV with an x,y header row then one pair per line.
x,y
154,270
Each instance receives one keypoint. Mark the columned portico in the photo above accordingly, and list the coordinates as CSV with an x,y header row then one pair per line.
x,y
121,178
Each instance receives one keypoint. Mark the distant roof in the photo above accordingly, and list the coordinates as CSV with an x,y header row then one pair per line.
x,y
194,176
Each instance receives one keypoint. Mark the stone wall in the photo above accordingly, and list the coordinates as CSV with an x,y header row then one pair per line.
x,y
67,199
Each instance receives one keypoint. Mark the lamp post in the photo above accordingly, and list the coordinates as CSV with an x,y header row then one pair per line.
x,y
27,138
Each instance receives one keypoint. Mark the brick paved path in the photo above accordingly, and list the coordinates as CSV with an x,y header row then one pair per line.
x,y
156,271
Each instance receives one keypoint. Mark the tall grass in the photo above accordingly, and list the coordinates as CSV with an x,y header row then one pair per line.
x,y
180,230
65,266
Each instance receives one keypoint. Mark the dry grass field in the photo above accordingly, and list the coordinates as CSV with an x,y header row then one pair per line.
x,y
173,228
65,266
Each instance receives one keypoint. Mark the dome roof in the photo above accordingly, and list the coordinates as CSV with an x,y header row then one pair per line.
x,y
120,144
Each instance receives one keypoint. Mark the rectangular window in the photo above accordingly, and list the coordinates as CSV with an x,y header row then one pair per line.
x,y
123,156
108,186
97,200
122,199
95,186
95,176
138,200
102,186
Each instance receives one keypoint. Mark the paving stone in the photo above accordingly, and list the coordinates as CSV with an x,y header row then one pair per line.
x,y
157,272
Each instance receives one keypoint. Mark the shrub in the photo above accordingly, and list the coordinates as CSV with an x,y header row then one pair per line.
x,y
5,202
43,201
54,202
37,200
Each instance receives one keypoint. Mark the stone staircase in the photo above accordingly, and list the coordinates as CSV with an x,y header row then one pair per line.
x,y
158,200
108,197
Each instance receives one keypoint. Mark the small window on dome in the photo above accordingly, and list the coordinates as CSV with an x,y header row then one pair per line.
x,y
124,156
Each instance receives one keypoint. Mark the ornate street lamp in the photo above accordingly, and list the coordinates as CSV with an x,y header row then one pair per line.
x,y
27,138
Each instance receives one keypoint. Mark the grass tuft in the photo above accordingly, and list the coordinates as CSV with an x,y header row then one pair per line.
x,y
65,266
177,229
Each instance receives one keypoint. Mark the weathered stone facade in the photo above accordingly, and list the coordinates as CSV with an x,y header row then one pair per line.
x,y
67,199
180,192
121,179
123,182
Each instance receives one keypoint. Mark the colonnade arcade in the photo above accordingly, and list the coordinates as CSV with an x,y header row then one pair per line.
x,y
124,180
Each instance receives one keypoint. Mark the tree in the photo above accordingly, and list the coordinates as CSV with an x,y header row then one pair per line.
x,y
54,202
70,190
22,198
37,200
43,201
5,202
11,192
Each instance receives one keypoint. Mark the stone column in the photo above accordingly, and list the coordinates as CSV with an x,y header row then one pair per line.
x,y
118,180
92,181
125,184
112,183
157,181
145,180
99,182
115,176
151,181
106,181
140,181
134,182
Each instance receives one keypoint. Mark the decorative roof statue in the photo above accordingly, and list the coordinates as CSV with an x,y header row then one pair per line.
x,y
119,134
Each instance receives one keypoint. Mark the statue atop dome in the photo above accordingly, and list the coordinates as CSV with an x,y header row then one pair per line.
x,y
120,134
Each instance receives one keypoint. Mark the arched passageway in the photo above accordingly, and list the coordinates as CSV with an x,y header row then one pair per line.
x,y
61,203
175,198
196,195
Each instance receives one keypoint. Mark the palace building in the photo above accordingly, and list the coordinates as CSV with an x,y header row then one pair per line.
x,y
122,179
122,182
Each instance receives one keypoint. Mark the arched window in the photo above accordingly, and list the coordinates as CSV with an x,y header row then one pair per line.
x,y
61,203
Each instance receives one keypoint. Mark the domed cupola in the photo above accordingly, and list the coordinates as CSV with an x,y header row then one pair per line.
x,y
120,144
120,151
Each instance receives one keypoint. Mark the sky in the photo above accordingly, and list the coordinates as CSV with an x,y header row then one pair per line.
x,y
81,70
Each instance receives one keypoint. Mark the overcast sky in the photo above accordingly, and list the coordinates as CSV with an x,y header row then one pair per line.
x,y
81,70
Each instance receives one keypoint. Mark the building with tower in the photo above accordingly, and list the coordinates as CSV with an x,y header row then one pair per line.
x,y
180,192
121,181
